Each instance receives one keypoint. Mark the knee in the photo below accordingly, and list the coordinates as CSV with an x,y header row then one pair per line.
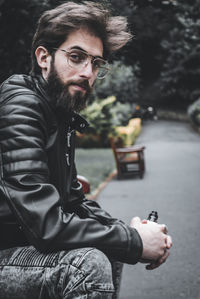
x,y
99,281
88,271
97,263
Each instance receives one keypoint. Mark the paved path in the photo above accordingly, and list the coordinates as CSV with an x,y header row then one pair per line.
x,y
171,185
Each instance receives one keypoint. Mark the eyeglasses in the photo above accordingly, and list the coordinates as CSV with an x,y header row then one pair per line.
x,y
78,59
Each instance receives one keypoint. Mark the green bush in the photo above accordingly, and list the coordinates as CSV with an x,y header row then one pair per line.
x,y
104,116
99,116
17,23
121,113
122,82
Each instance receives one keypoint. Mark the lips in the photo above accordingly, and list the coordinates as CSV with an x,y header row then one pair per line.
x,y
81,85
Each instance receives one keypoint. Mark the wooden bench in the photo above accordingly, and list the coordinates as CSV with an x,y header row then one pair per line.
x,y
129,160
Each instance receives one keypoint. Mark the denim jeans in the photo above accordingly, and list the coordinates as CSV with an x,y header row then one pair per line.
x,y
82,273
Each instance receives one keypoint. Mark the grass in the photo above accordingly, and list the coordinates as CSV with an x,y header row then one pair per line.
x,y
95,164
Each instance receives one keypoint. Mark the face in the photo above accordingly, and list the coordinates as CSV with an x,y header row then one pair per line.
x,y
71,86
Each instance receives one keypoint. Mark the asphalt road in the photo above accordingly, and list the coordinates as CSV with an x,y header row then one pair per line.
x,y
171,185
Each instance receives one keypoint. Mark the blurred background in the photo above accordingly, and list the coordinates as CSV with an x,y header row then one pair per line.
x,y
158,68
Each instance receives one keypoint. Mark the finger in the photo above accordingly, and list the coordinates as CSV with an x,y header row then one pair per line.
x,y
164,257
168,242
135,220
159,262
164,228
144,221
151,266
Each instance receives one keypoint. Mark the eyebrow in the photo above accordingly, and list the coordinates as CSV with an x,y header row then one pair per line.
x,y
79,48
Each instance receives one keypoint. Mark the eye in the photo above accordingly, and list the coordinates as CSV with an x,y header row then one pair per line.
x,y
98,63
77,57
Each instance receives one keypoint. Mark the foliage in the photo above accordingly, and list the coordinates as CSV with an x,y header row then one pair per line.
x,y
121,113
17,23
100,112
122,82
166,46
149,21
180,75
162,59
99,116
103,115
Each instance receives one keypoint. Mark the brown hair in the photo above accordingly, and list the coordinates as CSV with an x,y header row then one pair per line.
x,y
55,25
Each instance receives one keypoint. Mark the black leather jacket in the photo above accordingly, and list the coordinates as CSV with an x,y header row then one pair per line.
x,y
39,192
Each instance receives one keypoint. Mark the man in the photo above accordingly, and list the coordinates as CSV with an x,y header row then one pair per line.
x,y
54,242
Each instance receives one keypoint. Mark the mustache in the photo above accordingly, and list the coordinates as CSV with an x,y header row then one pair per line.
x,y
82,83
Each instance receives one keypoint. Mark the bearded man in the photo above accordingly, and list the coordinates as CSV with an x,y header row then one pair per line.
x,y
55,243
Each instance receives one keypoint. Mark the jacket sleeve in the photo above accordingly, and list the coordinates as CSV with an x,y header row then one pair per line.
x,y
36,203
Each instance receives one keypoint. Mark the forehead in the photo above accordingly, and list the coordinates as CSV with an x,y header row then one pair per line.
x,y
86,40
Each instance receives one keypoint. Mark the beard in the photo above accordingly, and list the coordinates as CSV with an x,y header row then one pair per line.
x,y
59,92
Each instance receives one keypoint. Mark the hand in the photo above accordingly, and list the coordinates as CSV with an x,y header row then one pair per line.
x,y
156,242
162,260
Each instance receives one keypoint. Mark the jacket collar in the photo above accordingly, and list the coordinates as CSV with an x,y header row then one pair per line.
x,y
77,122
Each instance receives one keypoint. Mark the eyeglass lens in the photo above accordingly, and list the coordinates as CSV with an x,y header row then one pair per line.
x,y
78,58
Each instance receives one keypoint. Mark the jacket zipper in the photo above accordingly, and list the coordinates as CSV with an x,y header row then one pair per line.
x,y
69,156
68,146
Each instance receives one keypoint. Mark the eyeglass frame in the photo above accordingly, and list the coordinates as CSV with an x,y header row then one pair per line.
x,y
88,55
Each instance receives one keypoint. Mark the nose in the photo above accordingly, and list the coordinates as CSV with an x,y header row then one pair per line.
x,y
87,70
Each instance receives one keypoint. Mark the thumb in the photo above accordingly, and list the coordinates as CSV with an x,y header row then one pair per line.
x,y
135,221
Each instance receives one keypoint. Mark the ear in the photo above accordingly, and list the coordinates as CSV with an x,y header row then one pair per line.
x,y
44,60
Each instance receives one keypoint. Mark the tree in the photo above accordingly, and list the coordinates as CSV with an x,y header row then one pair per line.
x,y
150,22
180,75
165,47
122,82
17,24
